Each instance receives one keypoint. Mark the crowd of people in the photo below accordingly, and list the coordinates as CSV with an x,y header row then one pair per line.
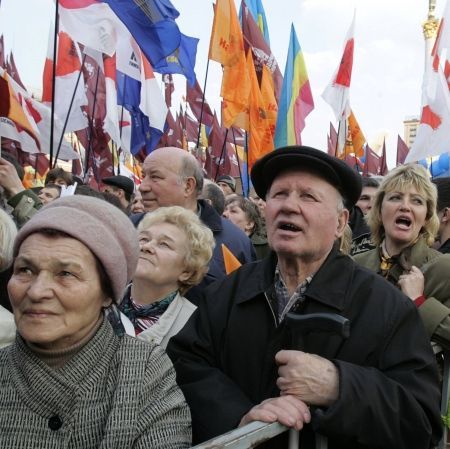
x,y
121,324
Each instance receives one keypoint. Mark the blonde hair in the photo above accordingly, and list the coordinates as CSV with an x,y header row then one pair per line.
x,y
400,179
8,232
199,238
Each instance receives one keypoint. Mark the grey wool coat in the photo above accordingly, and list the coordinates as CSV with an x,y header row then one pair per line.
x,y
115,393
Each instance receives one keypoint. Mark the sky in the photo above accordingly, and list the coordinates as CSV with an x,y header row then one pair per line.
x,y
388,57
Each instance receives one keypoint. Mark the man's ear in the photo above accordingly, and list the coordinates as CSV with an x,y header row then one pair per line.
x,y
190,186
446,215
342,222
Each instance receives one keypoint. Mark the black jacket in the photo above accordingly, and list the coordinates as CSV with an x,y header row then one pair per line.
x,y
389,393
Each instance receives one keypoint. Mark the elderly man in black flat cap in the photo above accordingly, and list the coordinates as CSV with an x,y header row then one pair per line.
x,y
378,388
122,187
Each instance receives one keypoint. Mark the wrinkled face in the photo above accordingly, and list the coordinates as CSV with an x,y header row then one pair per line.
x,y
302,216
163,248
237,216
48,194
366,199
403,215
226,189
161,184
137,206
55,291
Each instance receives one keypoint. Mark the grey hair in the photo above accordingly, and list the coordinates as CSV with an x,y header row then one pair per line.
x,y
190,168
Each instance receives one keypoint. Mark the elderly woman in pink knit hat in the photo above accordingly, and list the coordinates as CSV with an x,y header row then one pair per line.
x,y
68,379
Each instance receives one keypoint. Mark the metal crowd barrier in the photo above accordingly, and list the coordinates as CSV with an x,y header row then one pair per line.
x,y
257,432
244,437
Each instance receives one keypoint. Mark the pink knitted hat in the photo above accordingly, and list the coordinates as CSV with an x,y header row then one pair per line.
x,y
102,227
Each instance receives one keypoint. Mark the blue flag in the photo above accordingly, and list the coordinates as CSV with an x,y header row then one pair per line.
x,y
256,8
152,24
182,60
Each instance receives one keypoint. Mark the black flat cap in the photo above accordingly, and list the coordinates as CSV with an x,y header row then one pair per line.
x,y
346,180
122,182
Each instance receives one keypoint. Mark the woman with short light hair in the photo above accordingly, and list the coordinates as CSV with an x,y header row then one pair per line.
x,y
403,224
175,249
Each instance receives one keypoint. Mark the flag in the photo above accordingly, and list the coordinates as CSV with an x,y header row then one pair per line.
x,y
230,261
91,23
199,106
296,100
337,93
111,120
332,140
11,68
15,111
270,109
357,136
432,136
152,103
182,60
257,115
402,151
226,44
68,82
256,8
262,54
152,24
94,85
168,89
372,163
227,47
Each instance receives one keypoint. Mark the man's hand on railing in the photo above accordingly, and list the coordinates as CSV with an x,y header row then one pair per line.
x,y
287,410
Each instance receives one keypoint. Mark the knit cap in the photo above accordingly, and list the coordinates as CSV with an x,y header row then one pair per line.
x,y
100,226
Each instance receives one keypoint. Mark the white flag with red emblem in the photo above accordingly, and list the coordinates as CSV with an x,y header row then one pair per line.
x,y
337,93
433,133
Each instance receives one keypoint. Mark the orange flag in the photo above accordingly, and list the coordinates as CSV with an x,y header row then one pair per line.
x,y
229,259
257,114
357,136
227,47
15,111
270,108
226,44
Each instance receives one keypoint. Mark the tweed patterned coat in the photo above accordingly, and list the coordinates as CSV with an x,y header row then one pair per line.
x,y
115,393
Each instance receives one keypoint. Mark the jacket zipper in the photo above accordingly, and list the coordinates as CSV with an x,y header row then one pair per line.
x,y
271,309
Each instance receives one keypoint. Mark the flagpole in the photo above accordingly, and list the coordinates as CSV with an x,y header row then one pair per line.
x,y
237,158
337,139
69,111
246,194
221,154
52,113
203,104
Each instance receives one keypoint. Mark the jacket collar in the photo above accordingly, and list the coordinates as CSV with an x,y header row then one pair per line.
x,y
329,285
209,216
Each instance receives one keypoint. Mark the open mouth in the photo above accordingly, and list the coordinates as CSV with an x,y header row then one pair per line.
x,y
289,227
403,222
